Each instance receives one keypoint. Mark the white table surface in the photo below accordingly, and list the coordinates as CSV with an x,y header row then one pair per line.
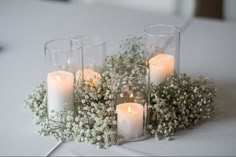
x,y
24,28
207,48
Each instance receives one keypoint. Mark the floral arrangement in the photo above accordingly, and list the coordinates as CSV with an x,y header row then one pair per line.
x,y
178,103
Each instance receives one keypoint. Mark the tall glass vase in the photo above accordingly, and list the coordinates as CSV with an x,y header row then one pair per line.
x,y
60,55
63,61
93,57
162,48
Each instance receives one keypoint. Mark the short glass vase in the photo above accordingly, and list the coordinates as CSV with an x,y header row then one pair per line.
x,y
131,91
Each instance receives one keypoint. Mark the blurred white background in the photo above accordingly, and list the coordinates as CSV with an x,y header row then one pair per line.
x,y
171,7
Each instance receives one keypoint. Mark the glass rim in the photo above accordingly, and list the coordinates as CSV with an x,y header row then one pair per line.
x,y
47,45
177,30
80,38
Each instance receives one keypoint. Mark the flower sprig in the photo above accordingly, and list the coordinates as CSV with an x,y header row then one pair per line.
x,y
131,52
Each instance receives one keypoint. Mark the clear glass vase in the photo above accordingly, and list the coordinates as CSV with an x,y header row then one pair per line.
x,y
93,58
162,48
63,61
131,92
60,55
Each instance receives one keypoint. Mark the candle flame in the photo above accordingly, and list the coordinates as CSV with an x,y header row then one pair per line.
x,y
131,95
68,61
129,109
58,78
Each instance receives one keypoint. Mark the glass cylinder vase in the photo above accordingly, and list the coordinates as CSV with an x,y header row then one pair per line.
x,y
131,91
62,55
63,61
93,57
162,48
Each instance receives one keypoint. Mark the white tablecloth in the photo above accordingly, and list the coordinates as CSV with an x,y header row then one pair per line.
x,y
207,48
24,28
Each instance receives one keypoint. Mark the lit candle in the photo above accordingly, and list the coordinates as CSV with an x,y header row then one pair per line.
x,y
129,120
60,92
90,76
161,66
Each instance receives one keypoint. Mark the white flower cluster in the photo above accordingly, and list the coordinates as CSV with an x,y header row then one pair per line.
x,y
179,103
96,113
37,101
131,52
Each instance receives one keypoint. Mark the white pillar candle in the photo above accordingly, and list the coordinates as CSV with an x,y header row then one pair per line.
x,y
60,92
129,120
90,76
161,66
